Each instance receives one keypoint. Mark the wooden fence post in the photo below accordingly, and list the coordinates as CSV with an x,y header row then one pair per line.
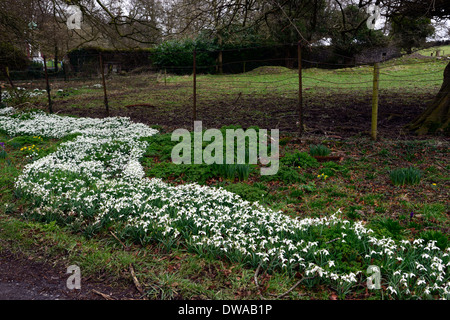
x,y
376,76
194,110
300,88
65,71
9,78
50,108
104,84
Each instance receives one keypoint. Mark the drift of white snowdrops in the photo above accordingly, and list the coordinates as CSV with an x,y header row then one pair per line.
x,y
95,180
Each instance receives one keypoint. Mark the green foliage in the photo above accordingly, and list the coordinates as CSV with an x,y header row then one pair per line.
x,y
284,141
3,153
18,97
441,239
388,227
319,150
247,192
242,171
351,43
187,172
176,56
309,187
287,175
296,193
12,57
404,176
299,159
411,32
353,212
435,211
226,171
231,171
20,141
160,146
330,168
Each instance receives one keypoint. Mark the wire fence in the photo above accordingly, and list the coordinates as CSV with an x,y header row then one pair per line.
x,y
281,83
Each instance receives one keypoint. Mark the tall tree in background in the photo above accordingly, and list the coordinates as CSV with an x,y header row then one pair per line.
x,y
350,34
16,38
411,32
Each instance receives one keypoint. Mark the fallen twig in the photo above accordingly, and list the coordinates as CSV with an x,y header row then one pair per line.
x,y
293,287
124,246
107,297
277,296
235,101
256,281
333,240
136,282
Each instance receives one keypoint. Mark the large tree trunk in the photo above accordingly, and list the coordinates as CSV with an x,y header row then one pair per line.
x,y
436,118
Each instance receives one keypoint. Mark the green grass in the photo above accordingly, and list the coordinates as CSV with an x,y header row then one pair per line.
x,y
445,50
163,275
319,150
404,176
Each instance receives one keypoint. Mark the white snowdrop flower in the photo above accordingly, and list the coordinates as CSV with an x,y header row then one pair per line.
x,y
392,290
334,276
324,252
6,111
421,282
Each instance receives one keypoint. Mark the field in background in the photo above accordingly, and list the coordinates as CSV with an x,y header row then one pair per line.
x,y
336,102
444,51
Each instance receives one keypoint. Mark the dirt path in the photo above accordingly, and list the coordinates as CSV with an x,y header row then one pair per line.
x,y
22,278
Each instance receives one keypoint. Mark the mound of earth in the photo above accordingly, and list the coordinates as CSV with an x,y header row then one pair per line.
x,y
269,70
420,56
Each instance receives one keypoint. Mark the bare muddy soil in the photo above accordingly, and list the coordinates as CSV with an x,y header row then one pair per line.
x,y
331,114
22,278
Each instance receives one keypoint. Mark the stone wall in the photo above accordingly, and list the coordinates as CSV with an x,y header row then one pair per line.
x,y
377,55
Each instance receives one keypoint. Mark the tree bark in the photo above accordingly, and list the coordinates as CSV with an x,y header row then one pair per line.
x,y
436,118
